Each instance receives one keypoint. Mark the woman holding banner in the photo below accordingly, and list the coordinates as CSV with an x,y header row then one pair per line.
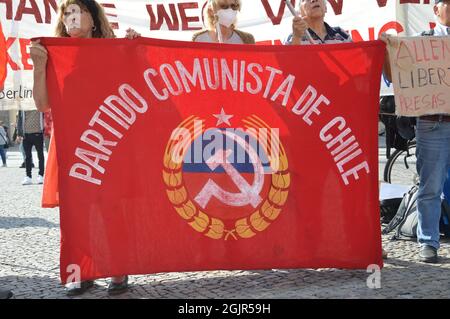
x,y
220,17
76,19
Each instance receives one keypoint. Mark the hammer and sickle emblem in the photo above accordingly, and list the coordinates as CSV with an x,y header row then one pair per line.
x,y
249,194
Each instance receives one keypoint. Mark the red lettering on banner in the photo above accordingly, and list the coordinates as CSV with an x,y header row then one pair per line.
x,y
382,3
8,4
25,54
185,20
393,25
172,22
414,1
11,63
24,43
337,6
108,8
33,10
48,13
275,19
171,19
23,9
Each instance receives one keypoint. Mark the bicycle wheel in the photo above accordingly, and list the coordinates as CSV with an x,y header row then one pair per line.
x,y
401,167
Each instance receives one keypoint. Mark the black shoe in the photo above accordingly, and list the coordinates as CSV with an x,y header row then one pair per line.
x,y
5,294
118,288
428,254
80,288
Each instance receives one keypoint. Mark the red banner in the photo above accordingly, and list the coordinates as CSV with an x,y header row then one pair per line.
x,y
179,156
3,58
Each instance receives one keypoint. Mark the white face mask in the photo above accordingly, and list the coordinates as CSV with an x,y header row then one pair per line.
x,y
227,17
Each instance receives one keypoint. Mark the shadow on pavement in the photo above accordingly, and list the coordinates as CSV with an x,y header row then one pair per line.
x,y
18,222
33,287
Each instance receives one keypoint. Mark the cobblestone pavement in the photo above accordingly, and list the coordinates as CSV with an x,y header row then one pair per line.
x,y
29,259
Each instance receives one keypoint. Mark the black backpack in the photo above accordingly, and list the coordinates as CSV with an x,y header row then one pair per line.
x,y
389,208
406,219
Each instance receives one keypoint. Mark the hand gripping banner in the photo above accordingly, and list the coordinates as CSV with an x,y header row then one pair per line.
x,y
179,156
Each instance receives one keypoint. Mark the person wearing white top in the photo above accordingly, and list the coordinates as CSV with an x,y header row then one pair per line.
x,y
220,17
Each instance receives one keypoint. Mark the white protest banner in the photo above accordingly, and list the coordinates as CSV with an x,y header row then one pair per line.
x,y
420,74
269,21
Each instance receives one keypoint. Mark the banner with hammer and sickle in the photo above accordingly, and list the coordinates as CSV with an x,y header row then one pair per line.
x,y
179,156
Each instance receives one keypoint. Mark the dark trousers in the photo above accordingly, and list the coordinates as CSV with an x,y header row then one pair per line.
x,y
3,154
36,139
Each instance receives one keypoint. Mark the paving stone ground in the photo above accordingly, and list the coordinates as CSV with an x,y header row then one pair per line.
x,y
29,264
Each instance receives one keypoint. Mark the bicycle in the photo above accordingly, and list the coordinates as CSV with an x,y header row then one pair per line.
x,y
401,166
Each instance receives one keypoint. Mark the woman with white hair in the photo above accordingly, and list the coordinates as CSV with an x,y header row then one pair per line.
x,y
220,17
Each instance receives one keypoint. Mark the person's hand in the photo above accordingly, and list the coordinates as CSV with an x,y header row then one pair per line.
x,y
385,37
299,27
19,139
131,34
38,54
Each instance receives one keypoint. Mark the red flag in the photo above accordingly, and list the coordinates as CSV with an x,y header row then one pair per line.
x,y
177,156
3,58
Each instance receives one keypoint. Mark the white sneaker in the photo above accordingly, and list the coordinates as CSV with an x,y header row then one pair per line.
x,y
27,181
40,179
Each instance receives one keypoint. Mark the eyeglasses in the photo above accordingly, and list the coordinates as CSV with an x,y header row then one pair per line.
x,y
225,6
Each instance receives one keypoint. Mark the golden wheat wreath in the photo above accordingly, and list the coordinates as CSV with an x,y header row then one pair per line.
x,y
214,228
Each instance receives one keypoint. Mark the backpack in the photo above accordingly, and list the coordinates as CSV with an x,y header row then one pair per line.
x,y
406,219
388,208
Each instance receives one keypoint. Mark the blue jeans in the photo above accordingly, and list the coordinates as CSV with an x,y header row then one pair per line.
x,y
433,163
3,154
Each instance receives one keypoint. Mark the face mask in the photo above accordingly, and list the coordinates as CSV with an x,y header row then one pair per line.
x,y
226,17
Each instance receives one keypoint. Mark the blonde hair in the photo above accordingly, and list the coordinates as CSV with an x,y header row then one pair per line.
x,y
102,26
208,16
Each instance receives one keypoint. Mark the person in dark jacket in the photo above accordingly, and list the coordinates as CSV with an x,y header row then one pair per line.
x,y
30,130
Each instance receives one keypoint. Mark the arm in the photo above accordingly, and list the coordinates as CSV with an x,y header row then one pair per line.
x,y
299,27
387,65
40,94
